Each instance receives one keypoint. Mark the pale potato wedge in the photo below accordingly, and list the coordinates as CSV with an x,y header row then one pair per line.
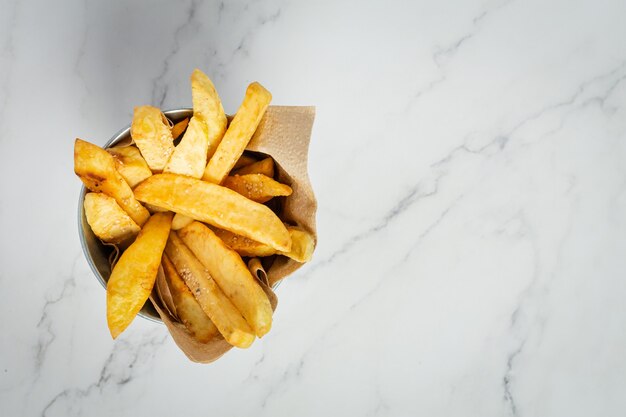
x,y
130,164
302,244
107,219
208,107
179,128
243,161
189,157
186,305
242,245
152,136
181,221
215,205
133,276
96,169
257,187
238,134
213,301
231,274
265,167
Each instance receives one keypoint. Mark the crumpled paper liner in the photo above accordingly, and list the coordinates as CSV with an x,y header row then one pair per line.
x,y
284,134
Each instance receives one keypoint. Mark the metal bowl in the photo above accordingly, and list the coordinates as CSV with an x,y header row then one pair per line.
x,y
96,253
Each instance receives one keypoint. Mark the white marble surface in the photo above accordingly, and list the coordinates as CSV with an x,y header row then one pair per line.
x,y
469,161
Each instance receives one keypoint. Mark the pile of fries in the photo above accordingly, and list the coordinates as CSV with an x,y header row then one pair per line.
x,y
186,200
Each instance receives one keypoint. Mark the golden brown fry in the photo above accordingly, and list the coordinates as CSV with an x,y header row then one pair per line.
x,y
152,136
208,107
107,219
265,167
134,273
231,274
243,161
180,221
96,169
130,164
302,244
238,134
189,157
214,303
242,245
179,128
257,187
187,308
215,205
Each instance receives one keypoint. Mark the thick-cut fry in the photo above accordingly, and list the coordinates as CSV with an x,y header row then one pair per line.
x,y
242,245
243,161
152,136
181,221
179,128
130,164
257,187
302,244
107,219
96,169
208,107
187,308
231,274
265,167
238,134
214,303
215,205
189,157
134,273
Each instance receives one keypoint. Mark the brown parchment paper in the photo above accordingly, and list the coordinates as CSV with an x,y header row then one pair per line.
x,y
284,134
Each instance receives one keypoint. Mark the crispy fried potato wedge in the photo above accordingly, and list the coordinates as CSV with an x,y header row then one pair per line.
x,y
242,245
181,221
208,107
179,128
243,161
152,136
134,273
213,301
257,187
130,164
96,169
187,308
189,157
265,167
107,219
215,205
302,244
231,274
239,133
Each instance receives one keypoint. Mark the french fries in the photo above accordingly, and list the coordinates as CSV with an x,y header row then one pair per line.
x,y
231,274
208,107
302,245
152,136
179,128
265,167
189,157
215,205
130,164
181,221
238,134
107,219
243,161
96,169
133,276
214,303
187,308
257,187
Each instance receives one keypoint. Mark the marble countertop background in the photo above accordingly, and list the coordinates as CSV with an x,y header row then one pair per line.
x,y
469,159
